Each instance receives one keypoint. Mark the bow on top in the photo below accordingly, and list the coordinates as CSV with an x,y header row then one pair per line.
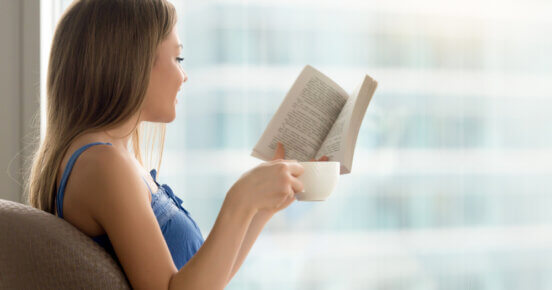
x,y
169,191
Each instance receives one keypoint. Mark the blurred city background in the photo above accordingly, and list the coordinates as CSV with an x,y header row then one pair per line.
x,y
450,185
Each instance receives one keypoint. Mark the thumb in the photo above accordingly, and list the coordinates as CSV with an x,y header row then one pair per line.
x,y
280,152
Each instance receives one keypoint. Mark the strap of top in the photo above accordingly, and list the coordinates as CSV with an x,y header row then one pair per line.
x,y
147,184
67,171
153,173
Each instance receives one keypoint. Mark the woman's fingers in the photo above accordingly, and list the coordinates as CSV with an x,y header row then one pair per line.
x,y
323,158
296,185
280,152
289,200
295,168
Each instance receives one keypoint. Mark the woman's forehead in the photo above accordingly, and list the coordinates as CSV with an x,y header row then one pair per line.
x,y
172,41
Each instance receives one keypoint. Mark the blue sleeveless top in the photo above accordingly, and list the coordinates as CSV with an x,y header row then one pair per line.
x,y
181,233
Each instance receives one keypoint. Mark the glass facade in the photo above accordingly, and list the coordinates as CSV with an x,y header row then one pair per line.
x,y
450,182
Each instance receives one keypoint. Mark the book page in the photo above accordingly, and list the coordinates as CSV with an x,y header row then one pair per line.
x,y
365,94
304,118
333,145
340,142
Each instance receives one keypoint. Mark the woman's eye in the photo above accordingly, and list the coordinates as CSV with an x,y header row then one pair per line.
x,y
180,59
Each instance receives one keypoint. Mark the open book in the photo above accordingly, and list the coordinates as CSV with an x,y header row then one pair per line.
x,y
317,118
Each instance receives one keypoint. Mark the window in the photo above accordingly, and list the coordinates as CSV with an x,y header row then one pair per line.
x,y
450,183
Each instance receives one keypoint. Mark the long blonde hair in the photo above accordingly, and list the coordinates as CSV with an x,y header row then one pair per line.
x,y
99,69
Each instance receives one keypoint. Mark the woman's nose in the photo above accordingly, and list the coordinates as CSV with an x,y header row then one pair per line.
x,y
184,75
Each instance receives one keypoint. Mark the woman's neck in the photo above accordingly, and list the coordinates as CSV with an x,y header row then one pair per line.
x,y
118,136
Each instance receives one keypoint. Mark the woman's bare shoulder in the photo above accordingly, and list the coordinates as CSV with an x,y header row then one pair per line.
x,y
107,169
99,174
97,161
119,204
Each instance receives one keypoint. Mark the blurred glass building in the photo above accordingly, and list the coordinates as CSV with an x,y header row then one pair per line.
x,y
450,186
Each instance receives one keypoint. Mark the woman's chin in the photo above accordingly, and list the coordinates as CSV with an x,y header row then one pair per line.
x,y
170,118
167,118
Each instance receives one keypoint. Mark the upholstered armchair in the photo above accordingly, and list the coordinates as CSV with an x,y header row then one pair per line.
x,y
41,251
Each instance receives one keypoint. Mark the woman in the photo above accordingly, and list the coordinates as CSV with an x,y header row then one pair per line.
x,y
113,65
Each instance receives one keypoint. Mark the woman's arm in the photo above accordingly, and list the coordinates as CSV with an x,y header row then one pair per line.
x,y
212,264
232,240
117,198
113,192
261,219
257,224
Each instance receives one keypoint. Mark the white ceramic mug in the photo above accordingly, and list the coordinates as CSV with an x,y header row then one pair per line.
x,y
319,180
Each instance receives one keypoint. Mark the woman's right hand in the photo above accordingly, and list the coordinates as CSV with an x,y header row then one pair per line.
x,y
269,186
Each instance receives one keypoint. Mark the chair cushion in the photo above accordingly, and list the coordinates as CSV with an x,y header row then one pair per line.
x,y
40,250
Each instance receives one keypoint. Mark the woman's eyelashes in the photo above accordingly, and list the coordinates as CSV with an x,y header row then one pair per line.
x,y
180,59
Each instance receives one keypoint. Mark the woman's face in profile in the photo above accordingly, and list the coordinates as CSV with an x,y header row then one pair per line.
x,y
165,80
